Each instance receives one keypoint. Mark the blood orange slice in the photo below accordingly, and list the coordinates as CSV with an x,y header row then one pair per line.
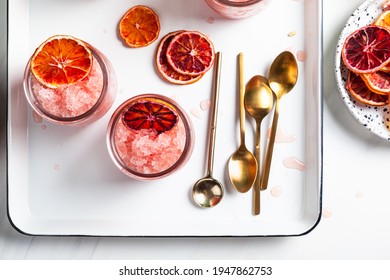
x,y
190,53
378,82
358,89
139,27
150,115
367,49
165,69
61,60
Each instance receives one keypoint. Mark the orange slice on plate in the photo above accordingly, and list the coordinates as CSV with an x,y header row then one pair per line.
x,y
165,69
367,49
139,27
359,90
378,82
383,19
150,115
190,53
61,60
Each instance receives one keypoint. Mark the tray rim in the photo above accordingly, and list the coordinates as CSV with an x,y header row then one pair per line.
x,y
319,160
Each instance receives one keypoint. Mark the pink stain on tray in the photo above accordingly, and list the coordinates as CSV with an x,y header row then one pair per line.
x,y
326,213
294,163
210,20
276,191
147,152
71,100
205,105
282,136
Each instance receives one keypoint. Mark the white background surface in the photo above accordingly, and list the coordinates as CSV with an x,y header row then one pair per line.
x,y
355,222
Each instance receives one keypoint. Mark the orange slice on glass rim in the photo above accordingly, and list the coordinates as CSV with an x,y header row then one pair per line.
x,y
190,53
359,90
61,60
148,114
139,27
165,69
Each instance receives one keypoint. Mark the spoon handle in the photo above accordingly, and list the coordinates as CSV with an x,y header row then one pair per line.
x,y
256,187
270,148
214,112
241,90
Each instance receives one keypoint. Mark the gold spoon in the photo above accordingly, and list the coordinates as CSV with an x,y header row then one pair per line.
x,y
259,101
208,192
242,166
282,78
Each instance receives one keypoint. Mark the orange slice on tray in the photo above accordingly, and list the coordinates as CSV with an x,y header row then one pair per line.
x,y
139,27
378,82
367,49
150,115
358,89
190,53
61,60
165,69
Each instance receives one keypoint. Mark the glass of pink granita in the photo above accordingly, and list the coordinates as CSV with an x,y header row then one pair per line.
x,y
150,136
237,9
69,82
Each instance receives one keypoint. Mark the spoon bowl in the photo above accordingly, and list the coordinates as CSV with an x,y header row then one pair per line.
x,y
207,192
258,101
242,166
283,76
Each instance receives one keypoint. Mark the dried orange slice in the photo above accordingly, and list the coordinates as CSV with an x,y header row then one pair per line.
x,y
367,49
378,82
139,27
358,89
150,115
61,60
190,53
165,69
383,19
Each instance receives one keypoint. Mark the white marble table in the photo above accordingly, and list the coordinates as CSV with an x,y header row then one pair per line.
x,y
355,222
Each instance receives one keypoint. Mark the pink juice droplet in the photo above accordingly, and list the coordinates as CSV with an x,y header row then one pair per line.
x,y
326,213
276,191
37,118
210,20
301,56
294,163
358,195
196,112
282,136
205,105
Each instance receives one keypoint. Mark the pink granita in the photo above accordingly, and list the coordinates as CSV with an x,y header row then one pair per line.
x,y
149,136
147,152
71,100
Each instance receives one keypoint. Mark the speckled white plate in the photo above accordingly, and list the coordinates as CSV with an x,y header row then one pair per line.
x,y
375,119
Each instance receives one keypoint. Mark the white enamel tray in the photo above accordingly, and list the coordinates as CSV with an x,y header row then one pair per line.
x,y
61,180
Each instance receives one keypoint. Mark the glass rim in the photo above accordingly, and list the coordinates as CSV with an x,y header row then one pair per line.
x,y
238,4
98,56
117,116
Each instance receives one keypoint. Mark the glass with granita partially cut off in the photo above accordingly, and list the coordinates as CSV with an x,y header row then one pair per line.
x,y
143,152
237,9
77,104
